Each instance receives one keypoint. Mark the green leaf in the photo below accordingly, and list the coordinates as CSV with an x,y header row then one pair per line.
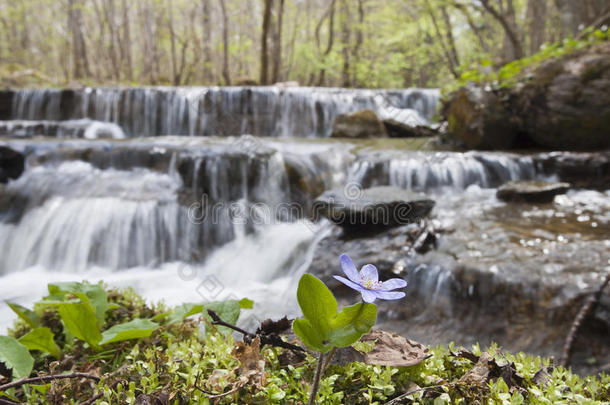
x,y
322,327
183,311
348,326
227,310
80,320
30,317
15,356
134,329
41,339
317,302
85,291
246,303
310,336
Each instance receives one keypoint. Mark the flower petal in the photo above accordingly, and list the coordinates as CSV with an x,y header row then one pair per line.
x,y
349,283
389,295
393,284
348,268
368,295
369,273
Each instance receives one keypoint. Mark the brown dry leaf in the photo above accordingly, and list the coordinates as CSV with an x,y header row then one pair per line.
x,y
394,350
252,370
487,369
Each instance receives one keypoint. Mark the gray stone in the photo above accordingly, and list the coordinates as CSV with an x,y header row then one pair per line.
x,y
531,191
361,124
362,210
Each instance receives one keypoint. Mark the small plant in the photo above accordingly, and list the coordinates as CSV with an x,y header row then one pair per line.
x,y
322,328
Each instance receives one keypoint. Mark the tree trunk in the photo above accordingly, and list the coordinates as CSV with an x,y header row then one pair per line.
x,y
79,48
509,29
345,42
207,39
359,40
536,19
264,74
449,35
225,43
126,42
450,62
330,13
473,26
277,45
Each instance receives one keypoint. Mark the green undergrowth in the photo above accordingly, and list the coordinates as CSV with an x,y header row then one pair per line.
x,y
185,359
510,74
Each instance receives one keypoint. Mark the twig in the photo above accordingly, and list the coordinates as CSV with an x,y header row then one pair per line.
x,y
272,340
6,401
213,395
587,309
46,378
406,394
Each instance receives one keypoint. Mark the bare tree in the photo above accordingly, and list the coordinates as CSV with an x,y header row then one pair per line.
x,y
79,48
225,43
509,28
277,44
264,42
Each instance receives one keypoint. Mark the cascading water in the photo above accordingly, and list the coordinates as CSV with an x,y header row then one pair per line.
x,y
262,111
207,218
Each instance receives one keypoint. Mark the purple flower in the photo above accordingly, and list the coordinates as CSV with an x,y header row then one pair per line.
x,y
367,281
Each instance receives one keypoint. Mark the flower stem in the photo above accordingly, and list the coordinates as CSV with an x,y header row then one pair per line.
x,y
316,381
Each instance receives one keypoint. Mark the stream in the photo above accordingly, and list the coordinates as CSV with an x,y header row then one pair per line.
x,y
200,194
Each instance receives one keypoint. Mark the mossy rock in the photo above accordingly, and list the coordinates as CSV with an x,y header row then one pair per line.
x,y
361,124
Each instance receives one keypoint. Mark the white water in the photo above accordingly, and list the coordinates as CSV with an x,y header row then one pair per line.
x,y
262,111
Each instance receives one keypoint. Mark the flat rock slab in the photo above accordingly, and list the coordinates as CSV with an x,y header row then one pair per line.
x,y
372,208
531,191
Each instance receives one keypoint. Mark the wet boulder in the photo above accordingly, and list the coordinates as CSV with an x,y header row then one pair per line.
x,y
397,129
363,210
559,104
531,191
479,119
361,124
12,164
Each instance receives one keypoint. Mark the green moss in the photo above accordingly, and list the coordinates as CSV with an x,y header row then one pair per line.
x,y
178,361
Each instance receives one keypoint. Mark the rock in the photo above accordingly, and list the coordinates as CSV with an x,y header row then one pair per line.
x,y
12,164
566,104
361,124
561,104
477,119
581,170
6,104
531,191
371,209
396,129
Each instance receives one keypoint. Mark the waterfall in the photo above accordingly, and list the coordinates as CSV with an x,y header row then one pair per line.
x,y
261,111
424,171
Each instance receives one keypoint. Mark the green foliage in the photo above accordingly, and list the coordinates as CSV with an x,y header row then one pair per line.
x,y
79,318
508,75
183,311
28,316
178,361
228,311
322,328
92,294
134,329
41,339
15,357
